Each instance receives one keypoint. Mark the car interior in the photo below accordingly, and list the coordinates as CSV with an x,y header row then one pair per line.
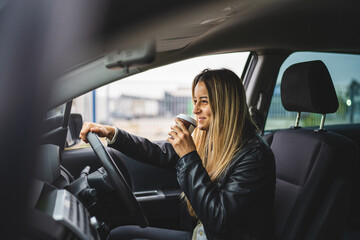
x,y
302,82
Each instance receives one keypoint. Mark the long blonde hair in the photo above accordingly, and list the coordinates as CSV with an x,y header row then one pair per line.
x,y
231,123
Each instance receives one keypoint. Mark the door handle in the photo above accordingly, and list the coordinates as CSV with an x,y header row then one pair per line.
x,y
151,195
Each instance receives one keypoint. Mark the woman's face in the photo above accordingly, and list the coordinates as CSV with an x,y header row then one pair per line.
x,y
202,108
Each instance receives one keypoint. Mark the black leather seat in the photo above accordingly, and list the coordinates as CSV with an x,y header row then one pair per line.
x,y
313,167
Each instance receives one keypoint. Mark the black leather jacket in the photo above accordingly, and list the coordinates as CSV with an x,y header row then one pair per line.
x,y
238,205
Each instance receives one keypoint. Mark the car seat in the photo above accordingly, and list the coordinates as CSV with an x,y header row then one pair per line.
x,y
313,167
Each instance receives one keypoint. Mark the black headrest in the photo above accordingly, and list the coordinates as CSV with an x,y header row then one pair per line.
x,y
307,87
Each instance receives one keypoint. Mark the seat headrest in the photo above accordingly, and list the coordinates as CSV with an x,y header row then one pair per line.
x,y
307,87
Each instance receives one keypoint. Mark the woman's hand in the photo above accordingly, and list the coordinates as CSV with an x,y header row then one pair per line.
x,y
181,139
100,130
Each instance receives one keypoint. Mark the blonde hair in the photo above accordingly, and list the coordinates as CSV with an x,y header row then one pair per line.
x,y
231,123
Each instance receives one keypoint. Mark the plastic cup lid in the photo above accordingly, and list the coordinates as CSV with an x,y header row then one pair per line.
x,y
187,118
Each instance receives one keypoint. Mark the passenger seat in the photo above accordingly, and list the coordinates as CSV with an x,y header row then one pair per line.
x,y
313,167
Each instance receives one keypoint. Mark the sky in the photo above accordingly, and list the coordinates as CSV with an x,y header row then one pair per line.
x,y
173,76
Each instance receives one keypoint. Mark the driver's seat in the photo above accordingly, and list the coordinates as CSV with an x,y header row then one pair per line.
x,y
313,167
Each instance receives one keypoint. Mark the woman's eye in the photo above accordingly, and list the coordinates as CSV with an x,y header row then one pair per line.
x,y
204,101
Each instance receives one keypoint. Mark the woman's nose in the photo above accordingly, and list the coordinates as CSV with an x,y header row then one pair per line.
x,y
196,109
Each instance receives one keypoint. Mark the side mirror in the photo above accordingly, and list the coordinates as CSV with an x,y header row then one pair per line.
x,y
75,125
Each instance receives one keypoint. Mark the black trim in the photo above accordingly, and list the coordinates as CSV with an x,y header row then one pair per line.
x,y
66,117
249,68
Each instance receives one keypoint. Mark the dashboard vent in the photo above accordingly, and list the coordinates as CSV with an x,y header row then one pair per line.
x,y
74,215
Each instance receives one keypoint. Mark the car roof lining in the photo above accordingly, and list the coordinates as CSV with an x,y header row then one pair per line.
x,y
260,26
265,27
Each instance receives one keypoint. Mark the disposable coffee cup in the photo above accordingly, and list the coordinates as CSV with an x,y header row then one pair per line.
x,y
188,121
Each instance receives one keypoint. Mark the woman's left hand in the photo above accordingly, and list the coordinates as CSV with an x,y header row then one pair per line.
x,y
181,139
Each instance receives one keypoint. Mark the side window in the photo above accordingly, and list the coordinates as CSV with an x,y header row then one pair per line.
x,y
345,72
146,104
53,118
57,111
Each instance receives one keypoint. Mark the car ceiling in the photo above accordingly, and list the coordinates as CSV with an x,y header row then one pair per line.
x,y
260,25
206,27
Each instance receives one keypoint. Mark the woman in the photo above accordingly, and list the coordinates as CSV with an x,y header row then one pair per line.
x,y
226,170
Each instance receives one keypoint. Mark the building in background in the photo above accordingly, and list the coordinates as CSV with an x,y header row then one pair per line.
x,y
175,102
129,107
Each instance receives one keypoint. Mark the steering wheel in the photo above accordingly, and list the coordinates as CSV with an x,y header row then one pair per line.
x,y
118,180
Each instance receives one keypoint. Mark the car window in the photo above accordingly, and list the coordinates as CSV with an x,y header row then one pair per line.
x,y
345,73
57,111
54,118
146,104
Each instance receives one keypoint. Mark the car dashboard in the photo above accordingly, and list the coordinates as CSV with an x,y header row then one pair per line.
x,y
64,214
69,215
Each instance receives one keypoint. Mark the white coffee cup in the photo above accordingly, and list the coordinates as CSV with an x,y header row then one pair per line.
x,y
188,121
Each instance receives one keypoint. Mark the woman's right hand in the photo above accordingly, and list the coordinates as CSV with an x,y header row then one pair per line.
x,y
100,130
